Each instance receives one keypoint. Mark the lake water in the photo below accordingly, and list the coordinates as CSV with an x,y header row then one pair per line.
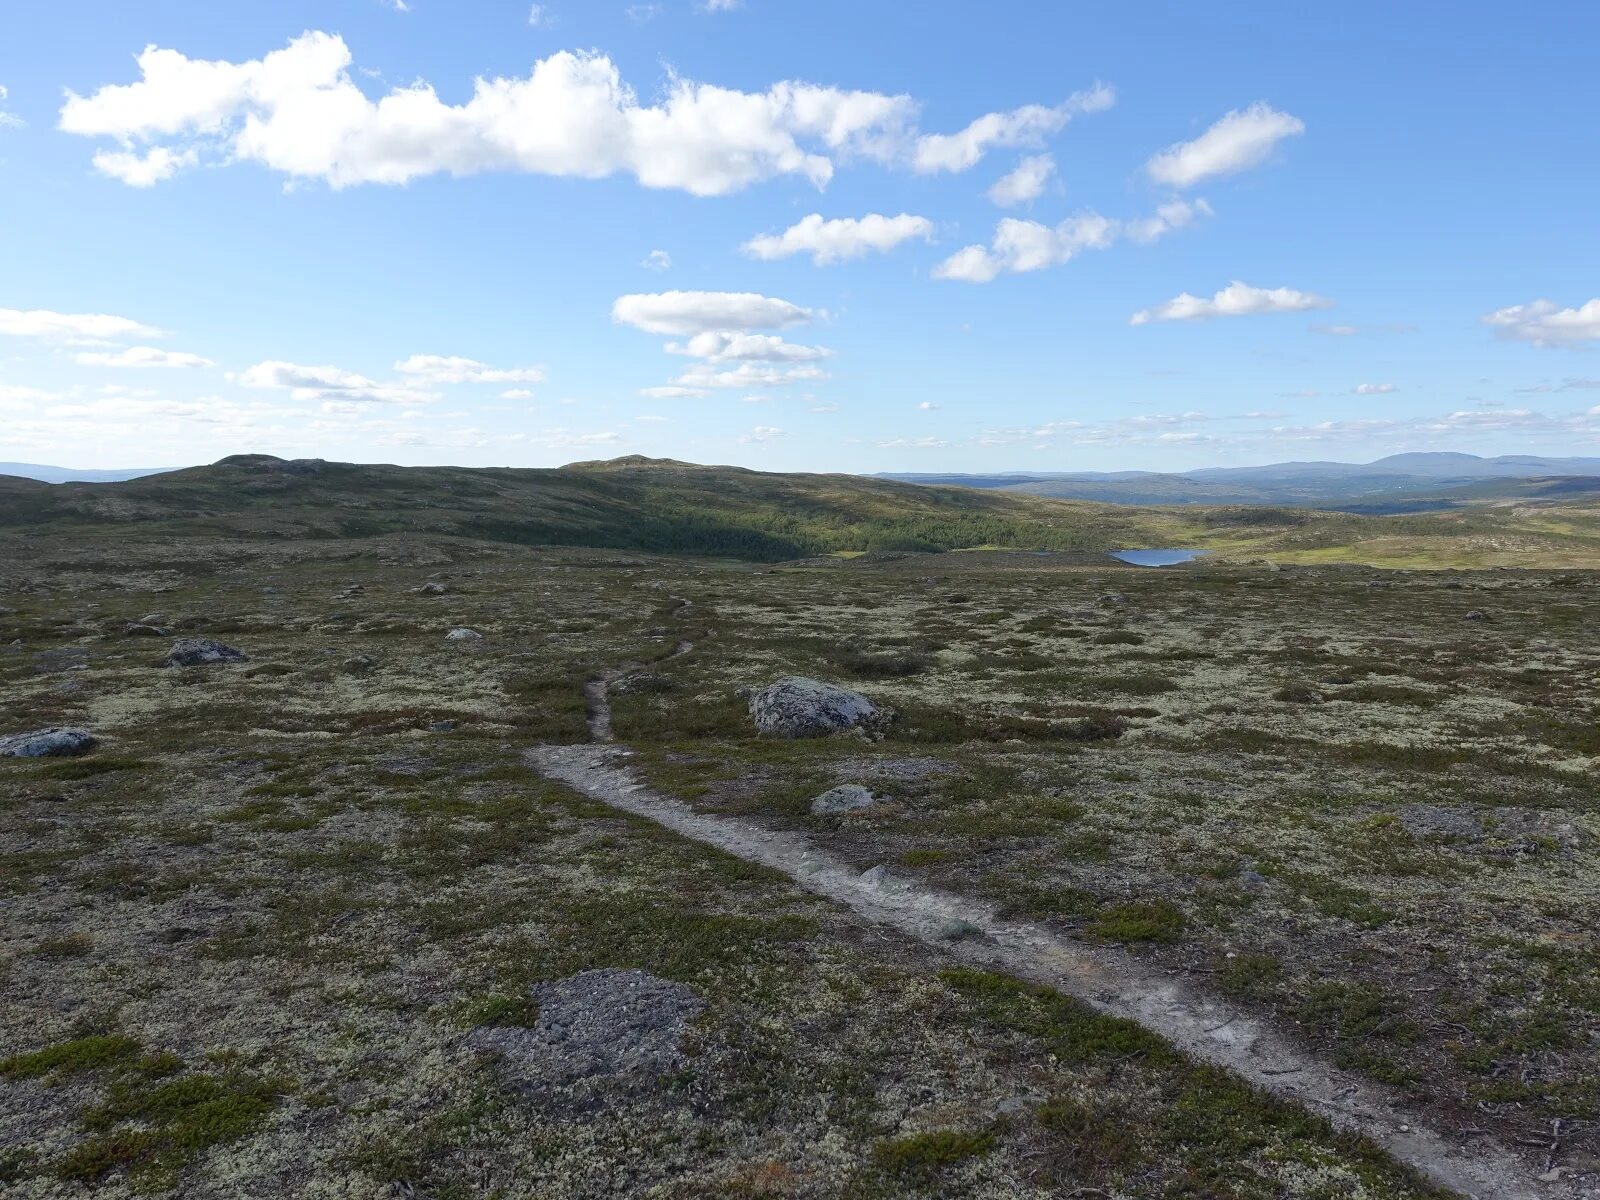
x,y
1157,558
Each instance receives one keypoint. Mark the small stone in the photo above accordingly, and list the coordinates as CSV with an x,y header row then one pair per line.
x,y
446,726
140,629
463,635
201,652
430,589
48,743
876,877
1476,615
848,797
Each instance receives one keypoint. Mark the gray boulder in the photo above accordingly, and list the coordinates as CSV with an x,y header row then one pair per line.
x,y
796,707
47,743
463,635
847,797
140,629
201,652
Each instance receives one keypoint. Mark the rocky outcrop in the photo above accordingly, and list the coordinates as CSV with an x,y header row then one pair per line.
x,y
846,798
201,652
48,743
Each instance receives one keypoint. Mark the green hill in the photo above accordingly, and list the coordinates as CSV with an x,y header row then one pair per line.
x,y
664,506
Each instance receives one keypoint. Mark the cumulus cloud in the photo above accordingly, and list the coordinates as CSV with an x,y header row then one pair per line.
x,y
762,433
839,239
8,120
1025,126
687,313
1026,182
1545,324
720,346
1375,389
297,110
140,356
330,384
747,375
1239,141
70,327
1020,245
434,368
1235,300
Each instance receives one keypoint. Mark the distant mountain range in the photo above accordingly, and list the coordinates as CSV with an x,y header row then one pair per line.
x,y
1398,483
46,474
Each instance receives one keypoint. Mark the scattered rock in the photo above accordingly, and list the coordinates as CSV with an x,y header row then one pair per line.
x,y
62,659
1431,821
201,652
875,877
140,629
607,1024
1112,598
430,589
463,635
448,725
1476,615
797,707
48,743
847,797
361,662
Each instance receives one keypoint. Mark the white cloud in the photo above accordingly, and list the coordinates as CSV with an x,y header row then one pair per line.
x,y
921,443
330,384
1546,324
1240,140
719,347
1375,389
716,6
516,394
1235,300
674,393
1027,182
141,356
1175,214
689,313
747,375
928,406
839,239
1336,330
657,260
762,433
434,368
539,15
1030,246
8,120
41,323
297,110
1025,126
144,170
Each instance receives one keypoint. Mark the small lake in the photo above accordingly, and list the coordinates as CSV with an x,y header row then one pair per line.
x,y
1157,558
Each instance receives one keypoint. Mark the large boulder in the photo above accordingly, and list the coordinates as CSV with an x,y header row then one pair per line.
x,y
47,743
797,707
201,652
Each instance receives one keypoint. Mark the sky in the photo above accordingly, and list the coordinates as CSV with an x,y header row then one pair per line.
x,y
822,236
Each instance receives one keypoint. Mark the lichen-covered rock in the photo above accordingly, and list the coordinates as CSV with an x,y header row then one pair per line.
x,y
463,635
140,629
847,797
797,707
47,743
201,652
598,1025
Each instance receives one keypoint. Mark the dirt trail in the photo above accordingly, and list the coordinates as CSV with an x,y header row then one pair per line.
x,y
1206,1027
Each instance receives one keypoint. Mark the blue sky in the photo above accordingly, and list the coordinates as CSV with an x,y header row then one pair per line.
x,y
825,236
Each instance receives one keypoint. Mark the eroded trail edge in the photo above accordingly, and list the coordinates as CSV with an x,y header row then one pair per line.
x,y
1206,1027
